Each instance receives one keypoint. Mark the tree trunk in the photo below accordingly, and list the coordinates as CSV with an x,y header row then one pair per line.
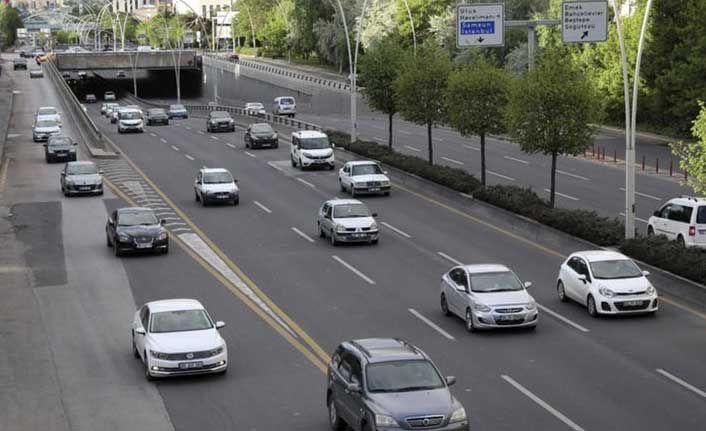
x,y
482,158
429,142
389,138
552,191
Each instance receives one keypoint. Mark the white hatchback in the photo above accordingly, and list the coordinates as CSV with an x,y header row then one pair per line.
x,y
681,219
214,185
363,177
606,282
177,337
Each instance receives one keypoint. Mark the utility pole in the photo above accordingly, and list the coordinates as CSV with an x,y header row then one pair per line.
x,y
531,34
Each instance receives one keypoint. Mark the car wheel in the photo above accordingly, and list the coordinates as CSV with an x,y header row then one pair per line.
x,y
650,231
591,306
117,251
353,194
236,201
135,353
470,327
291,159
247,145
343,189
322,234
107,241
334,241
680,240
561,292
165,250
196,196
386,193
374,242
148,376
334,420
445,306
203,200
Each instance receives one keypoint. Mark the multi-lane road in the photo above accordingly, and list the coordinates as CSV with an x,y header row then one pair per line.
x,y
289,297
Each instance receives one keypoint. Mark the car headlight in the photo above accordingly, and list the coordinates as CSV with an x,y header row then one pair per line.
x,y
159,355
340,229
385,421
651,291
213,122
69,181
123,238
374,226
162,236
531,305
481,307
606,292
459,415
385,183
275,136
230,121
72,150
216,351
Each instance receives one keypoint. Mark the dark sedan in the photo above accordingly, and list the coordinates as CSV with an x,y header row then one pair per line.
x,y
156,116
136,229
59,148
80,178
261,135
177,111
19,63
220,121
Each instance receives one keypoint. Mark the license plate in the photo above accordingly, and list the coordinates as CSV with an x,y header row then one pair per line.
x,y
358,235
632,303
223,196
374,189
190,365
84,188
505,317
319,162
144,244
60,155
702,231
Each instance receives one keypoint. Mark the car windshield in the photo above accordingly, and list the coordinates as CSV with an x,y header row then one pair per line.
x,y
261,128
505,281
217,178
314,143
613,269
220,114
129,115
81,169
46,111
286,101
177,108
109,93
136,218
46,123
350,211
59,141
370,169
403,376
90,96
157,112
179,321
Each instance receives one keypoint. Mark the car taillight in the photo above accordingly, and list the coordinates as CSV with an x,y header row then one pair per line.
x,y
692,230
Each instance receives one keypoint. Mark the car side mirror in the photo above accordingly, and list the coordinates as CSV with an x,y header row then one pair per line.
x,y
75,143
656,213
63,174
333,145
528,284
645,273
353,388
111,221
235,180
375,214
45,145
582,278
162,222
450,380
100,172
460,287
384,172
140,331
220,324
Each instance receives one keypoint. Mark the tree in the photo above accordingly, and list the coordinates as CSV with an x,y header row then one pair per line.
x,y
693,155
551,110
420,89
379,68
10,21
477,96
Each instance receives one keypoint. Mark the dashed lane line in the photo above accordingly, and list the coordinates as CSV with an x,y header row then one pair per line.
x,y
562,195
302,234
303,181
636,218
644,195
682,383
394,229
471,147
230,145
262,207
250,154
431,324
189,157
418,150
449,258
175,148
562,318
524,162
495,174
354,270
569,174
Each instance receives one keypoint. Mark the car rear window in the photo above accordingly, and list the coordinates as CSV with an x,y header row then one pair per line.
x,y
680,213
701,215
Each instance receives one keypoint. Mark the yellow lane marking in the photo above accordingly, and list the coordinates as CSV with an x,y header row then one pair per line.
x,y
320,364
3,173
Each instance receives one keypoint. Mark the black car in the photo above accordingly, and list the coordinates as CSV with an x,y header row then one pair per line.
x,y
91,98
78,178
261,135
66,75
136,229
156,116
19,63
220,121
177,111
59,148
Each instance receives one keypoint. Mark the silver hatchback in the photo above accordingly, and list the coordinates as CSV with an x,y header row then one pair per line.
x,y
347,220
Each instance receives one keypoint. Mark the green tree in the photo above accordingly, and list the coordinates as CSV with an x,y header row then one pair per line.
x,y
10,21
379,68
421,89
551,110
693,155
477,98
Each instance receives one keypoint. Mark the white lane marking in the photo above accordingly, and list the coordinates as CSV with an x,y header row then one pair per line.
x,y
215,138
187,127
262,207
162,209
471,147
353,269
505,177
188,157
175,148
16,92
437,139
412,148
375,126
569,174
636,218
181,229
466,195
524,162
306,182
681,382
406,132
250,154
394,229
14,135
382,141
431,324
164,141
175,223
202,249
562,195
452,160
273,165
449,258
170,218
152,134
200,132
302,234
542,403
644,195
562,318
230,145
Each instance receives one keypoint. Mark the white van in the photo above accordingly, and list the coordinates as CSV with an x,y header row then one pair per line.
x,y
682,219
310,149
285,105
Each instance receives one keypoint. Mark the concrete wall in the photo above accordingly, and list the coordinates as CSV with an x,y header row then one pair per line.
x,y
123,60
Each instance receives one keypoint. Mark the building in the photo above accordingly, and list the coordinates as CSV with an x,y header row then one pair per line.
x,y
136,6
207,9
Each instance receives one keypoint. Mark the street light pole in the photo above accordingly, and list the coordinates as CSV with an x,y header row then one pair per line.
x,y
411,22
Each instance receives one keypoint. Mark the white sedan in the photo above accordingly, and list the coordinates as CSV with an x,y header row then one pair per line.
x,y
178,337
363,177
606,282
255,109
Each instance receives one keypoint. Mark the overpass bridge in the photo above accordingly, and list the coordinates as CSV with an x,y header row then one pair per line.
x,y
151,60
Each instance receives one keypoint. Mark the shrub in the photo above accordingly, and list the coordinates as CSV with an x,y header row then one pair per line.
x,y
668,255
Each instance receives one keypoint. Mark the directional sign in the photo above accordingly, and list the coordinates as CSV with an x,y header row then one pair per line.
x,y
480,24
584,21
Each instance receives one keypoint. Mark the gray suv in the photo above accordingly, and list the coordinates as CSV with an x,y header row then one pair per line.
x,y
380,384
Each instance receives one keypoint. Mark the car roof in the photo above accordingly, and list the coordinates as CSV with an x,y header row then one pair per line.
x,y
600,255
387,349
688,201
109,92
343,201
362,162
174,305
303,134
134,209
483,268
210,170
46,107
81,162
254,103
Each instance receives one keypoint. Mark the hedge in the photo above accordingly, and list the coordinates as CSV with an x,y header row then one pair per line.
x,y
668,255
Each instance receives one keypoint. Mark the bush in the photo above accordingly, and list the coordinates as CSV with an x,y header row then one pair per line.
x,y
668,255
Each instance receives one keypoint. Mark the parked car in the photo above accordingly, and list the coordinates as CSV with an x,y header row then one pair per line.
x,y
347,220
487,296
36,73
82,74
136,229
682,219
19,63
220,121
109,96
66,75
81,178
120,74
107,107
177,111
389,384
235,58
360,177
311,148
43,129
59,148
255,109
156,116
284,106
260,135
130,120
606,282
90,98
216,185
176,337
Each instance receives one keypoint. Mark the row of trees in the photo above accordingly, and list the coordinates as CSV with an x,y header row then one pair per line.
x,y
10,21
548,110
